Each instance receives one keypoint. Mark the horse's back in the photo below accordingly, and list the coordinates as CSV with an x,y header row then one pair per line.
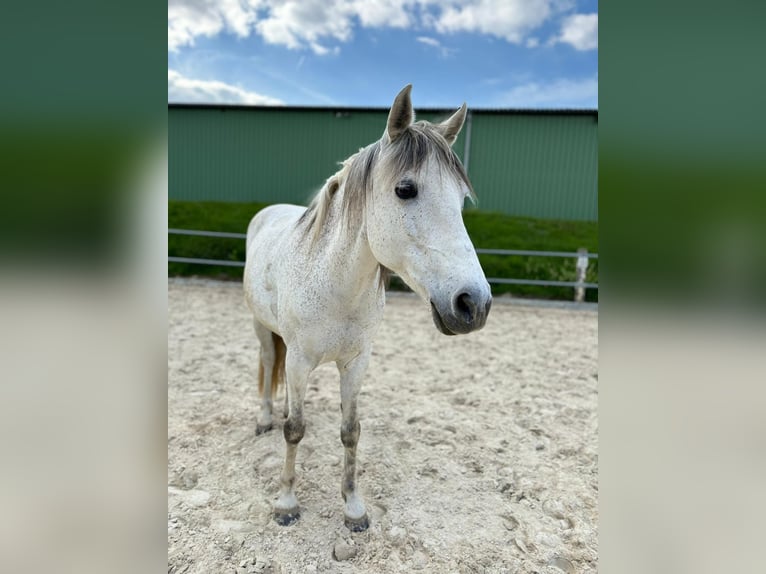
x,y
273,219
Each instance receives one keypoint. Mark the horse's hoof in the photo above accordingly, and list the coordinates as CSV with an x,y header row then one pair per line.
x,y
260,429
287,518
357,524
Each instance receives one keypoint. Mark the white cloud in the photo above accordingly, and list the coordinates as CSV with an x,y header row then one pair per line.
x,y
296,24
318,24
511,20
299,24
188,90
579,30
430,41
382,13
433,42
188,19
562,93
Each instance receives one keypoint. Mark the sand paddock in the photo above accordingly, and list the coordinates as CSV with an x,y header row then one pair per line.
x,y
477,454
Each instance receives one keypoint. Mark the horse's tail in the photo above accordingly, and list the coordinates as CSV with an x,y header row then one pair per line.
x,y
278,371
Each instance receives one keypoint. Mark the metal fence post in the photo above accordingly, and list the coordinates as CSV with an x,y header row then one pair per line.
x,y
582,269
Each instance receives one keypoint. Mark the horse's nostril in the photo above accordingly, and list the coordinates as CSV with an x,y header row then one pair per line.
x,y
465,304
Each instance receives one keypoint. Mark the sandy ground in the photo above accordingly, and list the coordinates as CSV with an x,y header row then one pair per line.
x,y
477,454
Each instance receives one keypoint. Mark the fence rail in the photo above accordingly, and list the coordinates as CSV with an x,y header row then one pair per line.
x,y
198,261
207,233
582,257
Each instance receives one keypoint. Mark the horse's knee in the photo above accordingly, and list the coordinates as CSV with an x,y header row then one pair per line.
x,y
294,430
349,434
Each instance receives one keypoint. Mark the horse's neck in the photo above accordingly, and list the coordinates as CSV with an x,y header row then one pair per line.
x,y
348,253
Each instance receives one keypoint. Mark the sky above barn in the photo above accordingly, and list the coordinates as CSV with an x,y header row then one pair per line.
x,y
488,53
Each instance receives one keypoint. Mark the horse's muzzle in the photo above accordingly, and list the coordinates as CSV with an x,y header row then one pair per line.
x,y
467,312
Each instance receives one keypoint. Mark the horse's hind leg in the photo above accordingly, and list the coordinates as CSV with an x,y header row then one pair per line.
x,y
268,358
351,375
297,369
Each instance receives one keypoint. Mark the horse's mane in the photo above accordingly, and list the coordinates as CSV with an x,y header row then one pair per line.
x,y
414,146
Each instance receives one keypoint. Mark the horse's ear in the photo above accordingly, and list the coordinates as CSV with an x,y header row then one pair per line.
x,y
401,115
450,128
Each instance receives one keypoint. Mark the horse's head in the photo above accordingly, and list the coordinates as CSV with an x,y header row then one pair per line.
x,y
414,218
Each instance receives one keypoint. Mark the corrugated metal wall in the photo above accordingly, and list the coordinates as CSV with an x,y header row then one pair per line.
x,y
521,164
536,165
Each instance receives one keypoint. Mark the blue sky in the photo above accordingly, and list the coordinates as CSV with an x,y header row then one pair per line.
x,y
488,53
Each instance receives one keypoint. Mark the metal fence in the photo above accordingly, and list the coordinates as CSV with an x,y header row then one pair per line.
x,y
579,284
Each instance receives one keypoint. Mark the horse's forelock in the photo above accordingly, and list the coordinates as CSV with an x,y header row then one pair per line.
x,y
406,154
419,143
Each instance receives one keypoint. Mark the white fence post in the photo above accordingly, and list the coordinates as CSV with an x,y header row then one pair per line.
x,y
582,269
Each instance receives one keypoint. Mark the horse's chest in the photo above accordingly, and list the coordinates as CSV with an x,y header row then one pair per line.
x,y
334,331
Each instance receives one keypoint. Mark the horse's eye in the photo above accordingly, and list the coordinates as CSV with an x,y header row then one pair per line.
x,y
406,190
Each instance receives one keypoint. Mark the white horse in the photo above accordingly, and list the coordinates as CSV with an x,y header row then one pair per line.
x,y
315,277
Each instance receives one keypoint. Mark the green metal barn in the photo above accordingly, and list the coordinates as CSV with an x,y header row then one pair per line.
x,y
533,163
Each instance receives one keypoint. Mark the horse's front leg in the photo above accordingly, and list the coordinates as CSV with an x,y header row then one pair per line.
x,y
351,375
297,370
